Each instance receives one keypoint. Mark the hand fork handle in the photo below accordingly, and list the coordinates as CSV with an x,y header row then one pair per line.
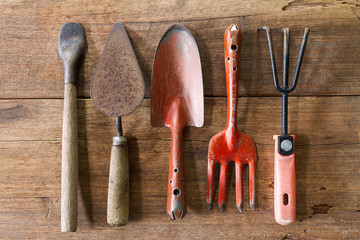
x,y
232,42
284,180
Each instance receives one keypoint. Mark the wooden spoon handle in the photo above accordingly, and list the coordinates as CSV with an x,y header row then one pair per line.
x,y
118,193
69,164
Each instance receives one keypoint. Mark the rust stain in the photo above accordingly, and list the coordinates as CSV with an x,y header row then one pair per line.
x,y
117,87
321,208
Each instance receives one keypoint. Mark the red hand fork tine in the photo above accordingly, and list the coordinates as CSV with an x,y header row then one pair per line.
x,y
231,144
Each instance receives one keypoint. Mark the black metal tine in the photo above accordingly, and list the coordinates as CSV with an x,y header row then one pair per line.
x,y
285,90
119,126
272,57
286,58
284,121
301,54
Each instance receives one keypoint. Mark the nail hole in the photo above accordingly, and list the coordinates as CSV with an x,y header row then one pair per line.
x,y
234,68
285,199
182,180
175,170
170,181
228,58
233,47
176,192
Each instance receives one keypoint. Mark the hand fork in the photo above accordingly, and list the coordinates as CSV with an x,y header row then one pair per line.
x,y
231,144
284,173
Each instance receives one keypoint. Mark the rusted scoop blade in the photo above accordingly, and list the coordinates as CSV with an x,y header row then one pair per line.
x,y
176,102
117,87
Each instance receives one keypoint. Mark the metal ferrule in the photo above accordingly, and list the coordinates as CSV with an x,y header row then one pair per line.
x,y
69,74
119,140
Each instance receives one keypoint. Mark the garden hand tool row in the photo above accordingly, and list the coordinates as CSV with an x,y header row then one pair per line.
x,y
117,89
284,174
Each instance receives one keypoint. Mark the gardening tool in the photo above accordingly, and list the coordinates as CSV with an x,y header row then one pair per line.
x,y
231,144
117,89
284,174
71,49
177,101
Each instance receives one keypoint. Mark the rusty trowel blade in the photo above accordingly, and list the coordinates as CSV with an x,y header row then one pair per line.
x,y
117,87
177,86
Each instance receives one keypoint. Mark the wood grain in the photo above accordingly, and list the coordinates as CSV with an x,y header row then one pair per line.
x,y
323,114
327,149
330,65
69,161
314,120
32,201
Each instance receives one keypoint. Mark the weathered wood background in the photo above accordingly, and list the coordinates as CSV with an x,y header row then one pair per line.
x,y
324,115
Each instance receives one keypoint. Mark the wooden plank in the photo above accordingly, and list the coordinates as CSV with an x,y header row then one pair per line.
x,y
140,11
30,186
242,226
315,120
330,64
327,149
319,174
327,128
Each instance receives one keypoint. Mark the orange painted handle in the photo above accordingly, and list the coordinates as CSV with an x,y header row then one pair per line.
x,y
284,183
232,44
176,200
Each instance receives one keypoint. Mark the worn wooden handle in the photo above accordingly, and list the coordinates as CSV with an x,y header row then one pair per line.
x,y
284,185
69,164
118,193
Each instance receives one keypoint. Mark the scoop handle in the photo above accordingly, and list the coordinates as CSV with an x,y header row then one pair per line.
x,y
69,163
118,192
284,185
176,200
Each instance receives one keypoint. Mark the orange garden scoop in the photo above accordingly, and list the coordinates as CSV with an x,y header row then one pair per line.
x,y
177,101
284,174
231,144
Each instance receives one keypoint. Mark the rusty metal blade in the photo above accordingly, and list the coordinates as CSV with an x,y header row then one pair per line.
x,y
117,87
177,80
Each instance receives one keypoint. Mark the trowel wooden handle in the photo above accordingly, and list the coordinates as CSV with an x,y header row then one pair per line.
x,y
69,164
285,181
118,193
176,200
